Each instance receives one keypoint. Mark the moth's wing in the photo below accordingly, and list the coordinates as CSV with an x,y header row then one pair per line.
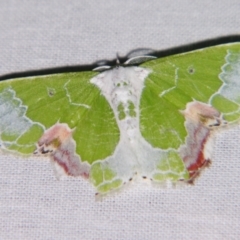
x,y
61,115
76,117
185,100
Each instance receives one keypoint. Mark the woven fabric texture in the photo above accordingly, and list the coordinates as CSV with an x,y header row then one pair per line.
x,y
33,203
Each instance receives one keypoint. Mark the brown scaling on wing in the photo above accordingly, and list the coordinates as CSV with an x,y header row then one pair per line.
x,y
201,122
58,144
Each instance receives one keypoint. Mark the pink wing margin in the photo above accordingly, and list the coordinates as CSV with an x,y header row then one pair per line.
x,y
58,144
202,121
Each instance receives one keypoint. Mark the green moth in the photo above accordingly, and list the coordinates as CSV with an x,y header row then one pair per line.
x,y
153,121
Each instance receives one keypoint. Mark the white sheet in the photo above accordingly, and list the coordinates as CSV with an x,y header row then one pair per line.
x,y
33,203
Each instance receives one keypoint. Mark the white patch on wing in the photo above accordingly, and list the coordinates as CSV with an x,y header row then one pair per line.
x,y
13,121
230,77
123,87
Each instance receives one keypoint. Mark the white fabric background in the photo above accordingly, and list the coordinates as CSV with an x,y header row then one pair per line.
x,y
33,203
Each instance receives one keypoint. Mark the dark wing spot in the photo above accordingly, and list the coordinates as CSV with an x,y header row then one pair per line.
x,y
191,70
51,92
